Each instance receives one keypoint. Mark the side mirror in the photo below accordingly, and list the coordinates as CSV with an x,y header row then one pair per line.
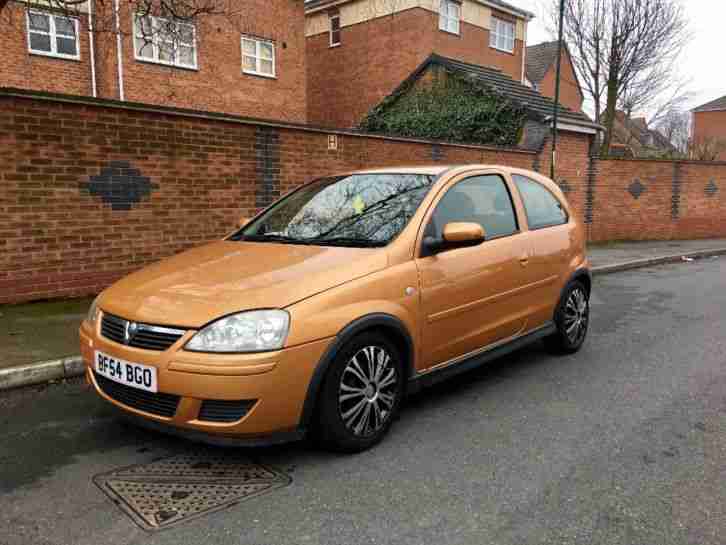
x,y
242,222
463,233
455,235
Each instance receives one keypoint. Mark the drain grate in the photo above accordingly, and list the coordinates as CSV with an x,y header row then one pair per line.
x,y
177,488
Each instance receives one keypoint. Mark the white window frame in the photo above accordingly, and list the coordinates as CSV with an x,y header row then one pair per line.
x,y
340,39
499,38
258,57
450,16
155,40
53,35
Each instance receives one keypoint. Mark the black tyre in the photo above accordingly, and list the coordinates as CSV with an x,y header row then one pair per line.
x,y
572,318
361,394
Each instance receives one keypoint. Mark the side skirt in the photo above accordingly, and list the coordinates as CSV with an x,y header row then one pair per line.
x,y
480,357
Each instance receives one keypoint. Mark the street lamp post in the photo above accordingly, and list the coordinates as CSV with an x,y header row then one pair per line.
x,y
557,92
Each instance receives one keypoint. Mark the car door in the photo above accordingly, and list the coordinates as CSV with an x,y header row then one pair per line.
x,y
469,295
549,238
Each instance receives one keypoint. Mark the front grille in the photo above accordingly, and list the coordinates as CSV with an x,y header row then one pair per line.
x,y
149,402
217,410
146,336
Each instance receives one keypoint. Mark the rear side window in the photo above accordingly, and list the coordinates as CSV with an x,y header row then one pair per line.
x,y
542,207
480,199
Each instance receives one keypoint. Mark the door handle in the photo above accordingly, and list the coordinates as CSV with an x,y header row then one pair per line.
x,y
524,259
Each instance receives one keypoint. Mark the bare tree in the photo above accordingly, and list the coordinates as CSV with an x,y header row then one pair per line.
x,y
105,13
675,126
659,96
706,149
182,10
625,52
586,41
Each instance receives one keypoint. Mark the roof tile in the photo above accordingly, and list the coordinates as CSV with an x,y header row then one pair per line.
x,y
501,83
539,58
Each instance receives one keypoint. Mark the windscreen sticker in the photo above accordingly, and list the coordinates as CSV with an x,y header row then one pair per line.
x,y
359,204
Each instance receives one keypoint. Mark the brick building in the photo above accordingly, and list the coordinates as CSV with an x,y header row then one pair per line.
x,y
359,51
709,126
251,63
541,74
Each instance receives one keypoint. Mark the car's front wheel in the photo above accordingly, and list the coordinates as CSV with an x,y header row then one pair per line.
x,y
361,394
572,319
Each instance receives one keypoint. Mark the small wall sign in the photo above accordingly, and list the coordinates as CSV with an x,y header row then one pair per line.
x,y
333,142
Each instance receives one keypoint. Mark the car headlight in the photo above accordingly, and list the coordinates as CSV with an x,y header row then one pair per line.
x,y
93,312
252,331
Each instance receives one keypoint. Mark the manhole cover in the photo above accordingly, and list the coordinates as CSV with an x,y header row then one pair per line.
x,y
177,488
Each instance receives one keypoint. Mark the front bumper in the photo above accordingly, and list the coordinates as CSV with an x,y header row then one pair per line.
x,y
278,381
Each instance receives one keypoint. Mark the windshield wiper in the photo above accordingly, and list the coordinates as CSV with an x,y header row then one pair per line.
x,y
315,241
346,241
273,238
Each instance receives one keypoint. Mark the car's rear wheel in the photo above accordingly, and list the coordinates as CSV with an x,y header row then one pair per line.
x,y
361,394
572,319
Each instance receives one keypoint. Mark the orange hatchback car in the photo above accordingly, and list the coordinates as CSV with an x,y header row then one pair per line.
x,y
323,311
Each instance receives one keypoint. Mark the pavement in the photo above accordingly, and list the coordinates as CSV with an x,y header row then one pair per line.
x,y
27,358
58,320
623,443
605,256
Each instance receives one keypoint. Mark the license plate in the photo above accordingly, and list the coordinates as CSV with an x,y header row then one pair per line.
x,y
131,374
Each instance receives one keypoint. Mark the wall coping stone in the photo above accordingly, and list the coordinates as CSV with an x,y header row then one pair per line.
x,y
655,160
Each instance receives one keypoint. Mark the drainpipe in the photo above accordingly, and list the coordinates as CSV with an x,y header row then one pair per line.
x,y
524,51
92,48
119,55
557,92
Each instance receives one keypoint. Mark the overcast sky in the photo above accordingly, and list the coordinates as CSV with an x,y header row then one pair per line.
x,y
703,60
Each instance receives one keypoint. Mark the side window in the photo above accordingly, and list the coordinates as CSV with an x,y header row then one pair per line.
x,y
481,199
334,28
542,207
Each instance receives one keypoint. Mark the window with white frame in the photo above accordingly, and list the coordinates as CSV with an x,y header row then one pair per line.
x,y
334,29
449,16
258,56
53,35
165,41
501,35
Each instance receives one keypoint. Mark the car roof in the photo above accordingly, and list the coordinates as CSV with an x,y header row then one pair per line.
x,y
433,170
454,169
437,170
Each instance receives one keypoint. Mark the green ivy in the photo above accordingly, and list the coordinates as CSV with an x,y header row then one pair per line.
x,y
450,109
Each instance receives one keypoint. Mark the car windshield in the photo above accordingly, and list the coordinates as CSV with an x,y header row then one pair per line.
x,y
355,210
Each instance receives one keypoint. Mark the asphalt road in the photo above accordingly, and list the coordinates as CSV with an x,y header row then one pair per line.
x,y
624,442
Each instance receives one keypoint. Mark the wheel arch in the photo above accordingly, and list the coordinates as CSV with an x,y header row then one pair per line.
x,y
581,275
387,324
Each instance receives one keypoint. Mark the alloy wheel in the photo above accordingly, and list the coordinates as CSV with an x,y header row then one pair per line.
x,y
576,315
368,391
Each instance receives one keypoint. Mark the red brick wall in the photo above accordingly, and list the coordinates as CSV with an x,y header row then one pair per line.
x,y
19,68
60,237
710,126
375,57
569,89
572,162
59,240
217,85
675,202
